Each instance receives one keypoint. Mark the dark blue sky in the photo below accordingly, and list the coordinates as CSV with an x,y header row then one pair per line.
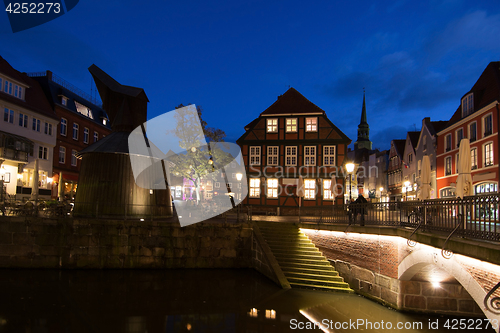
x,y
415,58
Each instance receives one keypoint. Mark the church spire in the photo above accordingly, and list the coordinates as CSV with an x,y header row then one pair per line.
x,y
363,141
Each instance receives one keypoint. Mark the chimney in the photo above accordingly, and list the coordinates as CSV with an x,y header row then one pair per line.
x,y
49,75
425,120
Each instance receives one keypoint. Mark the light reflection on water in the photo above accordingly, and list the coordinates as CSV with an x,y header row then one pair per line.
x,y
219,301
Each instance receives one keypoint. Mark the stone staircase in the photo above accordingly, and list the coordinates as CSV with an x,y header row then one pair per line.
x,y
302,263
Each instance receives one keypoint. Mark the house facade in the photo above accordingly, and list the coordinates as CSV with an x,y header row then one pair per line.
x,y
476,119
394,173
293,138
81,122
27,136
427,145
409,167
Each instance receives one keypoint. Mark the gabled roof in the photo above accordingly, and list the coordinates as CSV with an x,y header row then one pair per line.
x,y
34,97
436,126
292,102
414,136
400,146
485,90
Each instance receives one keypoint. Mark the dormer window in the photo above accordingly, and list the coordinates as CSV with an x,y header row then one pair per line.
x,y
84,110
64,100
467,105
11,88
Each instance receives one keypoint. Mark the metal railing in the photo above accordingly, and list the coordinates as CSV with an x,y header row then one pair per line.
x,y
473,217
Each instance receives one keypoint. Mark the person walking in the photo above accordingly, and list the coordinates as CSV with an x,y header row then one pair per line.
x,y
360,204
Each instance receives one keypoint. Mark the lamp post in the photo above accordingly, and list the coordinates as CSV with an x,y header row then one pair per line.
x,y
407,184
350,168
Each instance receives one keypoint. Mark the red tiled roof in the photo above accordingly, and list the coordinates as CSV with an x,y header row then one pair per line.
x,y
35,99
292,102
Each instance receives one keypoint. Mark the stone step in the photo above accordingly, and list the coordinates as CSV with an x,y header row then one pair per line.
x,y
307,250
326,277
319,264
328,283
323,270
324,288
298,256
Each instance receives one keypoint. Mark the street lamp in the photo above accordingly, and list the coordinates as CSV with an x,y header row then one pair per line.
x,y
407,184
350,168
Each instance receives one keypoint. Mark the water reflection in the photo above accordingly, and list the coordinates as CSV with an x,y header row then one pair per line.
x,y
178,301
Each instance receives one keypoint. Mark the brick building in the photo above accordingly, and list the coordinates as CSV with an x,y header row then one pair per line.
x,y
477,119
27,134
82,122
292,138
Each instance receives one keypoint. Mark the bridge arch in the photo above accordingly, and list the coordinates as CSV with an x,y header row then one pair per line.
x,y
423,255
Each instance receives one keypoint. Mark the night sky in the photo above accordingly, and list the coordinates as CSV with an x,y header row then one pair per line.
x,y
414,58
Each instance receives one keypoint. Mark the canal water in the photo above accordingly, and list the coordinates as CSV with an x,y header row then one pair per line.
x,y
215,300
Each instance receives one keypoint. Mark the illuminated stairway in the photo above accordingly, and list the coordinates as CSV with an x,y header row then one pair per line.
x,y
302,263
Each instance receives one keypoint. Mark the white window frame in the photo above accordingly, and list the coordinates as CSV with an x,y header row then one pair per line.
x,y
64,125
457,138
291,125
312,124
273,155
290,155
86,134
8,116
272,188
485,155
272,125
36,124
254,188
62,153
23,120
309,189
485,134
467,105
447,142
254,155
473,158
472,136
327,155
43,153
327,193
73,157
447,160
309,155
64,100
76,130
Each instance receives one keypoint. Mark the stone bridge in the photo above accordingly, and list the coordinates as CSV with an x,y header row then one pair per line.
x,y
379,262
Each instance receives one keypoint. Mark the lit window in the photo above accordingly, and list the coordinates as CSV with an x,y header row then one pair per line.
x,y
447,142
23,120
8,116
460,136
327,193
64,123
488,154
486,188
488,125
96,136
73,157
64,100
447,165
310,189
310,155
311,124
467,105
84,110
62,155
272,188
48,129
75,131
272,125
272,155
291,125
36,125
42,152
473,158
472,131
329,155
86,135
291,155
255,155
254,187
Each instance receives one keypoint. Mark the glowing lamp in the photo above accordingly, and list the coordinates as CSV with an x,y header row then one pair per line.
x,y
239,176
349,167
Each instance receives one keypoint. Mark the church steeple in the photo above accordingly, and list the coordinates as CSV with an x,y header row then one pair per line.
x,y
363,141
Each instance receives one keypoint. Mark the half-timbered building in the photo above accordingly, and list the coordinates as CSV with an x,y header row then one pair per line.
x,y
293,138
